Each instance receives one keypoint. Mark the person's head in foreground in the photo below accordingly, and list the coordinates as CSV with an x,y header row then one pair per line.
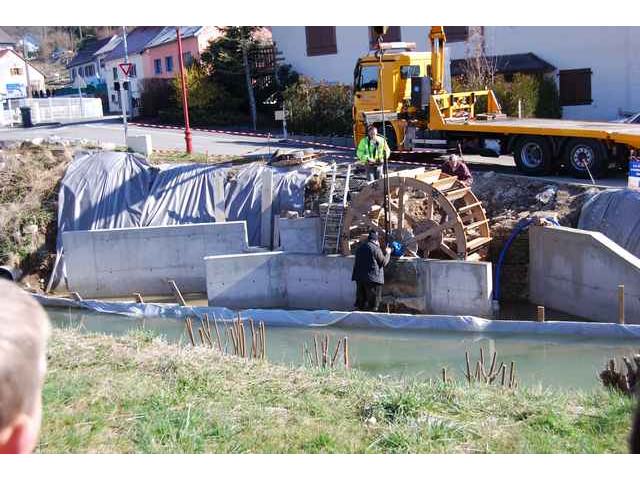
x,y
373,236
372,132
24,329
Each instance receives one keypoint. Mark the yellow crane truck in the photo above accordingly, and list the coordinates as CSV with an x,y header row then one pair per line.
x,y
404,89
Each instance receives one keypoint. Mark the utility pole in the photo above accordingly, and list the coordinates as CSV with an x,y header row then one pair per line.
x,y
26,65
385,164
185,101
123,92
247,75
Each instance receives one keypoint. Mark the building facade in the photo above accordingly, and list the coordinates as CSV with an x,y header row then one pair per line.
x,y
596,68
13,76
88,64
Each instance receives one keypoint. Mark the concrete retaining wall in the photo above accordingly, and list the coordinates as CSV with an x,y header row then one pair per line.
x,y
118,262
300,235
324,282
578,272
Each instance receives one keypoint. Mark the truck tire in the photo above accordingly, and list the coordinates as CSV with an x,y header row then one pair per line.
x,y
581,151
533,156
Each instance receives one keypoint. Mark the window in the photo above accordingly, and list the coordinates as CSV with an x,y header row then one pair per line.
x,y
321,41
102,63
392,35
81,72
115,73
575,87
409,71
367,78
16,71
187,58
89,71
157,66
73,74
168,64
456,34
133,73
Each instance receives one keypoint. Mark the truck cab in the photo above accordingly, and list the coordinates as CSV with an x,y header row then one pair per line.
x,y
395,83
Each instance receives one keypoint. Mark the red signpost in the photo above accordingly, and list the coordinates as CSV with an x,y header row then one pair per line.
x,y
185,103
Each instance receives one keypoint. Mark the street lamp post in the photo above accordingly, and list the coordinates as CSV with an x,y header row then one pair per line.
x,y
185,103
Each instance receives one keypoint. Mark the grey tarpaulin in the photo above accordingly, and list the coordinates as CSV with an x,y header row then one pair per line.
x,y
615,214
326,318
114,189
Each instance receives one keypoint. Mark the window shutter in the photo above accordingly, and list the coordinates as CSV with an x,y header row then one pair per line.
x,y
393,35
321,40
456,34
575,87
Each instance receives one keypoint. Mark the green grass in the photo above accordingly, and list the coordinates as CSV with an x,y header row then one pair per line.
x,y
140,394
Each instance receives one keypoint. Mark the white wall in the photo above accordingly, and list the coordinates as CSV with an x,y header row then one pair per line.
x,y
610,52
11,60
135,84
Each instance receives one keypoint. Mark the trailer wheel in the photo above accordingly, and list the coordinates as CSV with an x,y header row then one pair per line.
x,y
583,156
533,156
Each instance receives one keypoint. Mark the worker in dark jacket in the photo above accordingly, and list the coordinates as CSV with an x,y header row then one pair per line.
x,y
456,167
368,273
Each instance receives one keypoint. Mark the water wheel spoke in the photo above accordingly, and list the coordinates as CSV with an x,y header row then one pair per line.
x,y
429,212
445,248
433,230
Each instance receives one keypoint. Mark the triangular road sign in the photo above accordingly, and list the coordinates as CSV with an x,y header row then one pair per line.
x,y
126,68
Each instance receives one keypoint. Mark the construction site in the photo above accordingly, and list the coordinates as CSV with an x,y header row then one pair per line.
x,y
253,255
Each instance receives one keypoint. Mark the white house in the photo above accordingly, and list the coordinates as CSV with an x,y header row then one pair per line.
x,y
88,61
597,68
13,75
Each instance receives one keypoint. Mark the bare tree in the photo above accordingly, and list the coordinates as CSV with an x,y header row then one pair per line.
x,y
479,70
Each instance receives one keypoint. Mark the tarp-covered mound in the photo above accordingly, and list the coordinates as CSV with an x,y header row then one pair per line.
x,y
616,214
118,190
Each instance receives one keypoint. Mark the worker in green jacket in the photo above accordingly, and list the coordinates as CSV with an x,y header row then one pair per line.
x,y
372,151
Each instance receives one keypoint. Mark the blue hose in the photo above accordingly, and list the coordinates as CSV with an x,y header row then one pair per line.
x,y
520,227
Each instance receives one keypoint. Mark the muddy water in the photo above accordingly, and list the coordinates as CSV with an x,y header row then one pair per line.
x,y
567,362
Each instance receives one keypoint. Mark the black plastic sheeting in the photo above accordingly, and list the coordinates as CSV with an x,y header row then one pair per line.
x,y
107,190
616,214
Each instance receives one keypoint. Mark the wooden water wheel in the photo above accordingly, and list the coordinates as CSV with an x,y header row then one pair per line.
x,y
433,215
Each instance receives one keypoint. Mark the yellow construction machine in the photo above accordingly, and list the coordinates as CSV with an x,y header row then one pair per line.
x,y
403,90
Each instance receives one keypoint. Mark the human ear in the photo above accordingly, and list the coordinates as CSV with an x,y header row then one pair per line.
x,y
19,437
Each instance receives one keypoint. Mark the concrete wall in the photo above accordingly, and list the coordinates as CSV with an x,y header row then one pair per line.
x,y
110,263
578,272
301,281
300,235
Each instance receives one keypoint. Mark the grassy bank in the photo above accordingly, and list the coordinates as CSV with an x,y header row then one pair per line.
x,y
141,394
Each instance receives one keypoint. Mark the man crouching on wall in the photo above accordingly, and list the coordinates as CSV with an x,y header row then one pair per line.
x,y
24,329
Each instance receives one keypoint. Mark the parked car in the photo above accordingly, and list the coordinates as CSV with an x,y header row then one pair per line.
x,y
634,118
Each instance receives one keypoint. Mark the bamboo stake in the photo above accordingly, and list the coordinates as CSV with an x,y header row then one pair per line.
x,y
493,364
621,304
483,373
264,341
444,374
335,352
325,352
468,375
190,331
200,332
504,371
315,348
345,352
254,344
243,339
511,374
215,324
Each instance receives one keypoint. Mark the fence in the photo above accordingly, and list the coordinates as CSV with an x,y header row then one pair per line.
x,y
51,109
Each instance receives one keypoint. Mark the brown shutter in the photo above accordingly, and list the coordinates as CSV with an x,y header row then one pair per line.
x,y
321,40
456,34
393,35
575,87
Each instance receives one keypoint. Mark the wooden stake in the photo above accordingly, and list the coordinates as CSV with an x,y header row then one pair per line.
x,y
264,341
215,324
177,293
345,353
493,364
504,372
335,352
254,343
200,332
512,373
540,313
444,374
466,357
190,331
621,304
315,348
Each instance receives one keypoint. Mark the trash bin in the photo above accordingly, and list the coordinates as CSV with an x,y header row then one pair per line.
x,y
26,117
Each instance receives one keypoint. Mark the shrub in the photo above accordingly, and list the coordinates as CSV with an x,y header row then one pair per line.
x,y
319,108
156,95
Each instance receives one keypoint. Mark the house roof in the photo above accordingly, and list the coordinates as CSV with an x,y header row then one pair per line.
x,y
87,53
110,45
5,38
516,63
137,41
6,51
168,34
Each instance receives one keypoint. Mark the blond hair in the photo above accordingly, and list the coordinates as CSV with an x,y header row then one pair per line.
x,y
24,329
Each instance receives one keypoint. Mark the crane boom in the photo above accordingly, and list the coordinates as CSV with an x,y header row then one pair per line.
x,y
437,39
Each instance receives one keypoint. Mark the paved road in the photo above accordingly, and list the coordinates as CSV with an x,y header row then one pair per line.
x,y
110,130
